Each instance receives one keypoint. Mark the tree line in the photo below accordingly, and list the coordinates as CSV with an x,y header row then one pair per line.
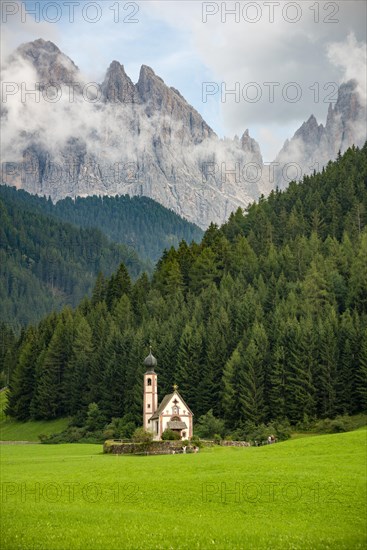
x,y
46,263
265,319
140,223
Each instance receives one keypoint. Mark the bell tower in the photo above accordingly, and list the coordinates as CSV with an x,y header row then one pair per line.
x,y
150,403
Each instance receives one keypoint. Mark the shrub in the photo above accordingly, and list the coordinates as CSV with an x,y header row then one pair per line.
x,y
207,426
79,419
259,433
120,428
140,435
127,429
109,433
170,435
95,419
195,441
337,425
305,424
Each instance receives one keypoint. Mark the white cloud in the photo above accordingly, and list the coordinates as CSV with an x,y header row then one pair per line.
x,y
351,56
279,52
172,38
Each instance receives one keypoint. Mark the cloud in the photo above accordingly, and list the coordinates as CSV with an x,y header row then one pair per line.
x,y
19,28
173,39
239,53
351,57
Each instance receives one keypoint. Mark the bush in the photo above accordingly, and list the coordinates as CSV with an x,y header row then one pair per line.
x,y
95,419
207,426
259,433
337,425
79,419
304,425
195,441
109,433
140,435
120,428
281,430
73,435
217,439
170,435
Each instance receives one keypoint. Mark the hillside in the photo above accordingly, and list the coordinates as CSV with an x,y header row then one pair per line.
x,y
265,320
140,223
46,263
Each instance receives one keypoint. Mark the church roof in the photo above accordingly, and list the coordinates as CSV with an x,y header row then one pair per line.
x,y
162,406
176,425
150,361
166,399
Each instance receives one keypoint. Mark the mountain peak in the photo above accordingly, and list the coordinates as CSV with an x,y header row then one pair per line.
x,y
148,82
40,43
250,145
117,87
116,66
50,63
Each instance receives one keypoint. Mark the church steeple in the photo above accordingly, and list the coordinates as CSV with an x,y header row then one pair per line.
x,y
150,361
150,404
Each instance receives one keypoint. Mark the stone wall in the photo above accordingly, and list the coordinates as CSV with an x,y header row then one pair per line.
x,y
153,448
225,443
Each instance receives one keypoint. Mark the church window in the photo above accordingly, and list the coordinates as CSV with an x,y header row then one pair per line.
x,y
148,405
183,434
156,427
175,410
149,382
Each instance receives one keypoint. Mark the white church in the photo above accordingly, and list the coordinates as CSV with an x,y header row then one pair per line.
x,y
172,413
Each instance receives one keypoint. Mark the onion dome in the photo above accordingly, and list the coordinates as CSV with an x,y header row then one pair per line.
x,y
150,361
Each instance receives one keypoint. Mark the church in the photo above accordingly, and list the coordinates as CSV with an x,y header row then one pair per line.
x,y
171,414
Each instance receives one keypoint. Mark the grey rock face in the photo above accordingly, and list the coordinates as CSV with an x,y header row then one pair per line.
x,y
313,145
142,139
117,86
51,64
145,139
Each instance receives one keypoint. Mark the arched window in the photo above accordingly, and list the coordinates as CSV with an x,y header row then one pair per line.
x,y
149,382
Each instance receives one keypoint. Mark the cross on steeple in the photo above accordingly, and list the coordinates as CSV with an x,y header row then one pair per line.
x,y
175,387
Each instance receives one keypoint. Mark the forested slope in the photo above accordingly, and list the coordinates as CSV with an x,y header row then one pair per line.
x,y
46,263
140,223
265,319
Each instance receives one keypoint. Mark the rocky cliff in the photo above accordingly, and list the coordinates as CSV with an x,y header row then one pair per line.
x,y
313,145
121,138
77,138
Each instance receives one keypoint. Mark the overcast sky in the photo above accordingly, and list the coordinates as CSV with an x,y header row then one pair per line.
x,y
283,60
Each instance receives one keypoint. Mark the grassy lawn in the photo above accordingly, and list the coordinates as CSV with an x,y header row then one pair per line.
x,y
13,430
303,493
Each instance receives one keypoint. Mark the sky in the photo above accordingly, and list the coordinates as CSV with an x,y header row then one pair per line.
x,y
265,66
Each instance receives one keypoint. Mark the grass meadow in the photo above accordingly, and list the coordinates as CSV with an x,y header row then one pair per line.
x,y
13,430
303,493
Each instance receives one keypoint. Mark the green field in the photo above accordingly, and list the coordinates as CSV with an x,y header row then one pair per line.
x,y
13,430
304,493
